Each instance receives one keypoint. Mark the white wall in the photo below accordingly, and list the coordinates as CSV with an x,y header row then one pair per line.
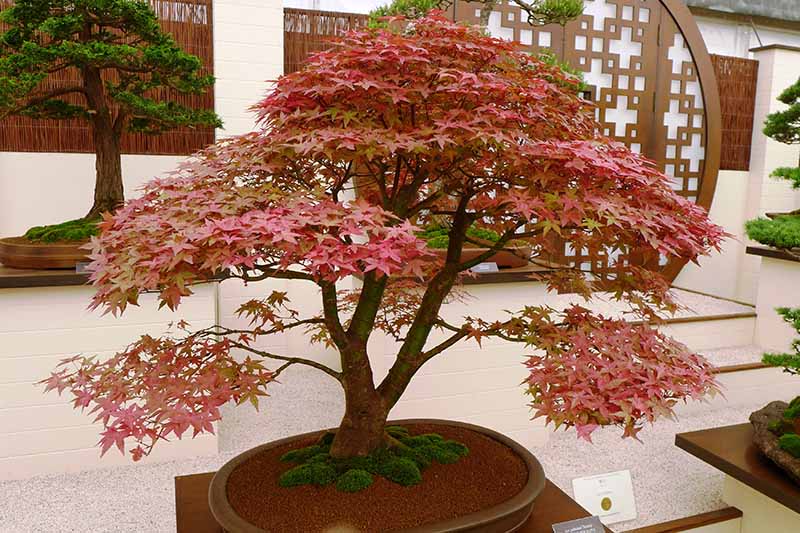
x,y
41,433
779,286
718,274
730,38
48,188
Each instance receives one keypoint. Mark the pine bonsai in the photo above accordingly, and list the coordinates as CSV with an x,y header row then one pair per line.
x,y
120,58
435,122
782,231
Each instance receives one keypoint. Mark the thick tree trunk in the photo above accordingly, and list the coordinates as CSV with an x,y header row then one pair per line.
x,y
108,190
361,431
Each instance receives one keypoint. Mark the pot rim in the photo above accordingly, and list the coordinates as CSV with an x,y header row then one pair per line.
x,y
225,515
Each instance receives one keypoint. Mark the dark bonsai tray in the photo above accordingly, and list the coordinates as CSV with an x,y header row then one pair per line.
x,y
194,516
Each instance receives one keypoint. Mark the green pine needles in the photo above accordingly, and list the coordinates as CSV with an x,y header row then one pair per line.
x,y
779,232
786,428
783,126
789,361
402,462
120,57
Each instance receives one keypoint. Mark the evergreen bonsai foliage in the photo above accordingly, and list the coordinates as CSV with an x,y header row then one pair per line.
x,y
119,57
437,122
789,361
788,428
783,126
401,461
438,236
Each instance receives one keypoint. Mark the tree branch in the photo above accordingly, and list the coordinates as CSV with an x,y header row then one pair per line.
x,y
38,99
290,360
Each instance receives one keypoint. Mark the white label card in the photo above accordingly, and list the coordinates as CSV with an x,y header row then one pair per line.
x,y
485,267
609,496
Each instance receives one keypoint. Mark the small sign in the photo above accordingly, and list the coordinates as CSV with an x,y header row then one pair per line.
x,y
482,268
609,496
591,524
80,268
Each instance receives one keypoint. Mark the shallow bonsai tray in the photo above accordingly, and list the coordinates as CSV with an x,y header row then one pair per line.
x,y
194,516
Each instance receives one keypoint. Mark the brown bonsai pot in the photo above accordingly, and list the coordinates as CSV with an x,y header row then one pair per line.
x,y
503,517
512,257
19,252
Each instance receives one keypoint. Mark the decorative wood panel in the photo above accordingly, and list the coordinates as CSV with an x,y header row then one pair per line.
x,y
653,84
307,31
737,78
190,23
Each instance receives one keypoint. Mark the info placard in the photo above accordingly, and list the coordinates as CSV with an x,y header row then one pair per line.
x,y
609,496
591,524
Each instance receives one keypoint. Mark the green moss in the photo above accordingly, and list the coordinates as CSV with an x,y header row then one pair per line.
x,y
790,442
302,455
792,412
309,474
354,481
79,229
780,232
402,471
401,462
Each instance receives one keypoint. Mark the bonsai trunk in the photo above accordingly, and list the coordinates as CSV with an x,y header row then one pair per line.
x,y
361,431
108,190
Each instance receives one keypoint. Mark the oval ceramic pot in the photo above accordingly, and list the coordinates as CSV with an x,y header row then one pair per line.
x,y
19,252
512,257
505,517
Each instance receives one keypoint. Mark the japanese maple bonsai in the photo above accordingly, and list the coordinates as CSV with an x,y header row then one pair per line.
x,y
102,61
441,123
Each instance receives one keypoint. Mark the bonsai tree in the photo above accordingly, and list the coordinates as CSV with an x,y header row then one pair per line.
x,y
782,231
539,12
113,58
788,427
434,122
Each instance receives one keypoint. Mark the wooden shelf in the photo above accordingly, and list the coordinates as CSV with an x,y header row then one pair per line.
x,y
772,253
509,275
193,515
16,278
731,450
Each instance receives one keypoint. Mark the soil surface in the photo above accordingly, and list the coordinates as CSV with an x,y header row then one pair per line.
x,y
492,473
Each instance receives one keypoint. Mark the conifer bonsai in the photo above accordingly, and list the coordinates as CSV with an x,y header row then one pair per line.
x,y
120,57
782,230
435,121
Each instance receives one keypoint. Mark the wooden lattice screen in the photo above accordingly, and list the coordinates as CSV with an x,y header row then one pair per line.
x,y
737,79
306,31
190,22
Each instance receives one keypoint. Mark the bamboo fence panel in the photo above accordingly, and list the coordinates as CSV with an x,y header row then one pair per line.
x,y
306,32
737,79
190,23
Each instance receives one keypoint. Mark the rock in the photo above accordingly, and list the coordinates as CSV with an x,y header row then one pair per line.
x,y
767,441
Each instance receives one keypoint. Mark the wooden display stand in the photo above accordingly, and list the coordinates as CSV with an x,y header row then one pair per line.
x,y
193,515
768,498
